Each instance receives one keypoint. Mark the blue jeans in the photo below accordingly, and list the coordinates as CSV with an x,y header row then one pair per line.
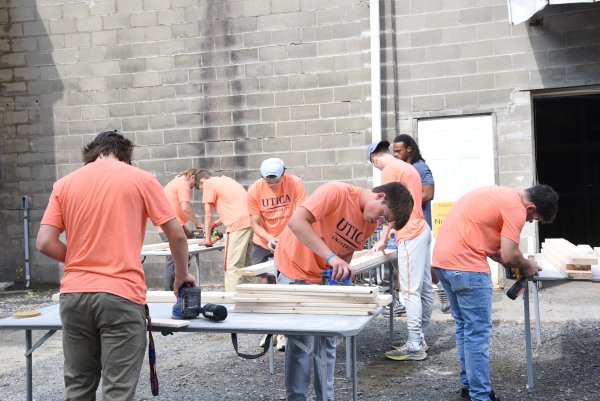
x,y
470,296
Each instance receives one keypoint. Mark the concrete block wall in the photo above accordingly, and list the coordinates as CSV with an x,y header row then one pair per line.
x,y
457,58
219,85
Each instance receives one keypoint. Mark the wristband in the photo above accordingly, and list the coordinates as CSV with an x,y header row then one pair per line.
x,y
333,254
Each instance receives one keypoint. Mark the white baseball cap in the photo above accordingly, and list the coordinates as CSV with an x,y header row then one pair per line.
x,y
272,167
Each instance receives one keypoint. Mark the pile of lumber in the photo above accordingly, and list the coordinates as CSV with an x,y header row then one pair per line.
x,y
309,299
573,261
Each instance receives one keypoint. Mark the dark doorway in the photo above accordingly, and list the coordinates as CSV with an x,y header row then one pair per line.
x,y
567,138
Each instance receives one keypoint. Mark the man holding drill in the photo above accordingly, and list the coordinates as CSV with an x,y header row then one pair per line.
x,y
486,222
102,208
323,233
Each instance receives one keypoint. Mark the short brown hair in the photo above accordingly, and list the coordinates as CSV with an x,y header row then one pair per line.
x,y
108,143
399,200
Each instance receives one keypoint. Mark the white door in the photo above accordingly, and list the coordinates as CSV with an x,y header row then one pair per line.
x,y
460,153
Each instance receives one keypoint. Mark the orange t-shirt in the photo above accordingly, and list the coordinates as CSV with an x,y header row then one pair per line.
x,y
230,199
406,174
103,208
275,207
473,228
339,223
177,191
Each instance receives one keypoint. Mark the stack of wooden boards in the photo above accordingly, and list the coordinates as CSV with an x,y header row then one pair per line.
x,y
309,299
573,261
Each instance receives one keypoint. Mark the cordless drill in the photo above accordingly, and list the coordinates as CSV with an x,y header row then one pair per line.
x,y
514,273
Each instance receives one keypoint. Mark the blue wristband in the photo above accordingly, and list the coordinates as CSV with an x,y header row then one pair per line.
x,y
333,254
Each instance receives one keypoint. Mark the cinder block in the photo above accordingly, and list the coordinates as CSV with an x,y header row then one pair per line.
x,y
93,84
476,15
320,127
340,78
257,7
131,35
149,18
128,6
162,122
285,6
334,110
316,33
275,114
93,112
65,25
275,145
261,130
133,124
115,21
146,79
428,103
158,33
119,81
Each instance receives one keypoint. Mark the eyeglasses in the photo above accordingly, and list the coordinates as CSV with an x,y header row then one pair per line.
x,y
382,220
272,179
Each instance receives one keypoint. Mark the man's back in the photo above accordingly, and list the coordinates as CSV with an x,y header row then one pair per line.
x,y
230,199
473,228
103,208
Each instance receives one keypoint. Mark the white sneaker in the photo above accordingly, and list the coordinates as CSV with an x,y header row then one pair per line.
x,y
281,342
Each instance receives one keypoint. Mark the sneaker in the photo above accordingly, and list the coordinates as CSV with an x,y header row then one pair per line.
x,y
398,309
424,347
444,304
406,353
281,342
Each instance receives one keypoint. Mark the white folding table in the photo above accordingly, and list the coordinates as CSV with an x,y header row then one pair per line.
x,y
254,323
193,249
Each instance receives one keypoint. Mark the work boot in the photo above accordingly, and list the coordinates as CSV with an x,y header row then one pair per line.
x,y
464,394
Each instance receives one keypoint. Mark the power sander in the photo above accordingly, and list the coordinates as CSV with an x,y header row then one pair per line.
x,y
188,303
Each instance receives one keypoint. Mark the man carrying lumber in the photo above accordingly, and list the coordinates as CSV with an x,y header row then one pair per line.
x,y
271,202
229,198
406,149
486,222
323,233
103,207
179,195
414,242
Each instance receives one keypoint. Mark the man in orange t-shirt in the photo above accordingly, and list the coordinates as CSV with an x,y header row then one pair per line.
x,y
179,194
486,222
103,208
323,233
229,198
271,202
414,242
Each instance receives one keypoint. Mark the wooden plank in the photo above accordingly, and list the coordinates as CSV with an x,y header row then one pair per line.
x,y
311,311
320,305
207,297
169,322
305,294
276,298
308,288
562,268
575,255
257,269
